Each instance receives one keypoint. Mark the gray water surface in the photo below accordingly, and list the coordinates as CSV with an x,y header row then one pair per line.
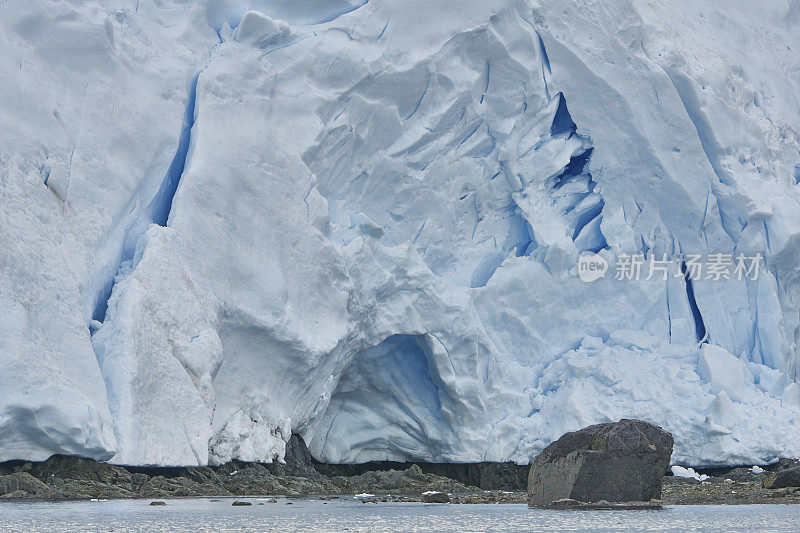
x,y
352,515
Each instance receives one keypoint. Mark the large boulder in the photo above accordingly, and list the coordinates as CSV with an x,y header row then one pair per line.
x,y
623,461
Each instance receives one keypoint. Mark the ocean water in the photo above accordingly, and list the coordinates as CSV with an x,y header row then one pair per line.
x,y
352,515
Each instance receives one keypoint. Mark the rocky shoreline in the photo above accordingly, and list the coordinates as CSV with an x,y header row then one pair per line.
x,y
732,486
74,478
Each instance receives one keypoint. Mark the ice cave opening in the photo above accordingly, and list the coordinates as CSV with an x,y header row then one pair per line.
x,y
388,402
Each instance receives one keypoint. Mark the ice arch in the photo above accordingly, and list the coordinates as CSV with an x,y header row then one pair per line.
x,y
387,401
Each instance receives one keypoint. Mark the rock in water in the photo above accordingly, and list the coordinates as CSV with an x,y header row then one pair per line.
x,y
435,497
623,461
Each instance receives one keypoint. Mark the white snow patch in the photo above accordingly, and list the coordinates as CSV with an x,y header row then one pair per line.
x,y
680,471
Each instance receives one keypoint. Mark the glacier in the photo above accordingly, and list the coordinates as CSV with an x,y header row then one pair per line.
x,y
228,221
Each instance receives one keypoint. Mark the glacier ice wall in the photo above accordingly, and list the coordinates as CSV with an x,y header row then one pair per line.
x,y
227,221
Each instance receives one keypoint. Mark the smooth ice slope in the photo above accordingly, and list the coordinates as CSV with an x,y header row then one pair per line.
x,y
223,222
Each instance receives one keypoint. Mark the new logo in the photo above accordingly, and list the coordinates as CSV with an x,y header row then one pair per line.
x,y
591,267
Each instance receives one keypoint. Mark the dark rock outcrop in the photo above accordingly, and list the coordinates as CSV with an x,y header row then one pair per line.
x,y
22,485
76,468
487,476
73,478
783,478
623,461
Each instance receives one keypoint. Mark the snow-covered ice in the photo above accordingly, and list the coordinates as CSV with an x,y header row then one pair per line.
x,y
680,471
228,221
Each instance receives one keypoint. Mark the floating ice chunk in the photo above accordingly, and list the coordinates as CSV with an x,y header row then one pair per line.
x,y
363,495
756,469
723,371
690,473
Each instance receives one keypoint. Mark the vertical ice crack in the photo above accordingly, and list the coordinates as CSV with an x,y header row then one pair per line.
x,y
699,325
117,253
162,202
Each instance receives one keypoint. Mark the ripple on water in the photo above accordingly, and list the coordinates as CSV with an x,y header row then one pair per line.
x,y
316,515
